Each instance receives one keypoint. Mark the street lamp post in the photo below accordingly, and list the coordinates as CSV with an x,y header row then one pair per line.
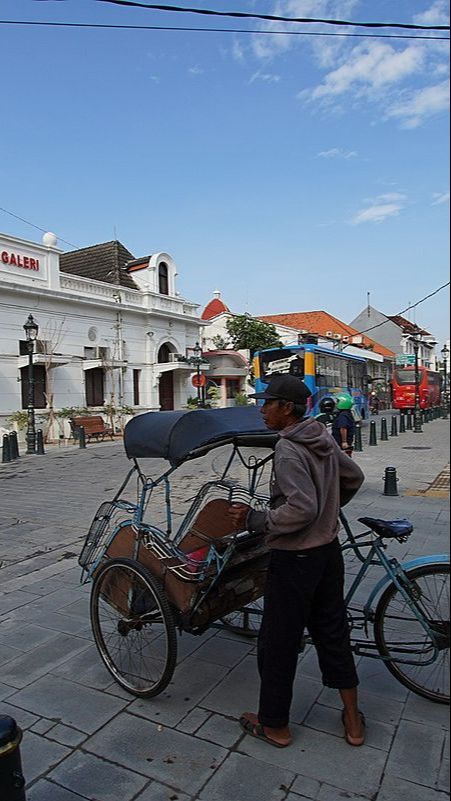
x,y
196,360
445,353
417,412
31,332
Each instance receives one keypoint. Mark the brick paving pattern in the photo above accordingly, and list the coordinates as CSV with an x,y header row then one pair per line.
x,y
85,738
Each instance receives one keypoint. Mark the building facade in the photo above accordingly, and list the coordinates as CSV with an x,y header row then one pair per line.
x,y
396,332
112,328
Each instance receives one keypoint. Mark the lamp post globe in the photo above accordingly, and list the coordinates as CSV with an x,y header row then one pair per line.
x,y
31,329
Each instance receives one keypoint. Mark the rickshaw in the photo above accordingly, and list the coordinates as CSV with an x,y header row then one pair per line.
x,y
151,580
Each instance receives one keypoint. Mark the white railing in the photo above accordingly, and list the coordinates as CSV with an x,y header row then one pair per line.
x,y
152,301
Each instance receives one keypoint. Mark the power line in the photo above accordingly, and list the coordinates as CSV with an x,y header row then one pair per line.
x,y
94,25
274,17
413,306
38,227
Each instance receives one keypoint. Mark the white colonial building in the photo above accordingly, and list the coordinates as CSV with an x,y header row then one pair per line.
x,y
111,328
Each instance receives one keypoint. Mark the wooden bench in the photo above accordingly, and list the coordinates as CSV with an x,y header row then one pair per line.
x,y
94,426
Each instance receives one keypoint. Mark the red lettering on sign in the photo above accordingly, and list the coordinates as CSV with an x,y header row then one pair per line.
x,y
26,262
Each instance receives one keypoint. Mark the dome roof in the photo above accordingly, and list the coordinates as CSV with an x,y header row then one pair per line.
x,y
214,307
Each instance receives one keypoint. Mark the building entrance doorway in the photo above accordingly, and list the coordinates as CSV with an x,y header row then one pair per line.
x,y
166,392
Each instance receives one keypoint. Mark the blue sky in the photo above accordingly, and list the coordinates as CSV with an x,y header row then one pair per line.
x,y
291,173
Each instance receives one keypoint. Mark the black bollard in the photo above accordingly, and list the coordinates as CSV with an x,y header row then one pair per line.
x,y
373,436
14,444
12,449
390,481
394,427
6,451
402,424
409,420
39,441
12,782
81,437
384,432
358,438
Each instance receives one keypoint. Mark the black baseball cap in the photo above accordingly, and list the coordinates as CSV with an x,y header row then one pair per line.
x,y
285,387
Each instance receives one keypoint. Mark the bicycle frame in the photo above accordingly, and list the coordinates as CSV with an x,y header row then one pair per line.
x,y
396,573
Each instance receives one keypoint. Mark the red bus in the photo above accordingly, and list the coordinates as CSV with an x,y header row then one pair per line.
x,y
403,388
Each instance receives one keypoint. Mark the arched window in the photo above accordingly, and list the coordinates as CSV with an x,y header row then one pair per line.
x,y
163,279
163,354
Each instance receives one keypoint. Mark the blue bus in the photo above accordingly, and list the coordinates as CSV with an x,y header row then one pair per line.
x,y
326,373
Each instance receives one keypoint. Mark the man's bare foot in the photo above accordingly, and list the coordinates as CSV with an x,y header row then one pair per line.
x,y
354,726
281,738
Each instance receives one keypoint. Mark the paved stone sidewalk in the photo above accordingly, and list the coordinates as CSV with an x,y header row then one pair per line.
x,y
87,739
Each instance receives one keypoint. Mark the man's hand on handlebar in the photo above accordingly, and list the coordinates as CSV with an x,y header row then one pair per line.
x,y
238,512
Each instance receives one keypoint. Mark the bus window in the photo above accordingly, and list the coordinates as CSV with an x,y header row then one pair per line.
x,y
331,371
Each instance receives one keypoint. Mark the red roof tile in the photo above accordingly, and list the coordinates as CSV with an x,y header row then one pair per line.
x,y
320,323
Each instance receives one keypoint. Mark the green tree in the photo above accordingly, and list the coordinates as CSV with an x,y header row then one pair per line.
x,y
247,333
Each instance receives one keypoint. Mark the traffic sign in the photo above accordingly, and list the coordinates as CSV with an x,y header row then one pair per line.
x,y
405,359
198,380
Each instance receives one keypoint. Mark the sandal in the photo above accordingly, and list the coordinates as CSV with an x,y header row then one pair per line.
x,y
355,741
256,730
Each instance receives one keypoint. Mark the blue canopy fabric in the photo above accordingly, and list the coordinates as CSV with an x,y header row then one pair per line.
x,y
183,435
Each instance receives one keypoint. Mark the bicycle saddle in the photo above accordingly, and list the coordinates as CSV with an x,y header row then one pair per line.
x,y
388,528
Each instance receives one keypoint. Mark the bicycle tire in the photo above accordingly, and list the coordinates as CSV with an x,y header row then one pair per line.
x,y
394,618
128,606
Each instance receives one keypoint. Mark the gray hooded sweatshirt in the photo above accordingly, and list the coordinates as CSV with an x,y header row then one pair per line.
x,y
311,479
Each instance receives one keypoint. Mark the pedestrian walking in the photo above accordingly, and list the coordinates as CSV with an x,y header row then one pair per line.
x,y
312,478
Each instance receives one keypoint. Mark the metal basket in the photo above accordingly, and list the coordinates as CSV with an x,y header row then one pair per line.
x,y
106,519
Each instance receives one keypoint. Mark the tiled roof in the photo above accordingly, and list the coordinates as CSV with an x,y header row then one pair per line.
x,y
105,262
320,323
212,309
407,326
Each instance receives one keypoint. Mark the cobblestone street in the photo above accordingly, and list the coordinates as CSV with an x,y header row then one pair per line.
x,y
85,738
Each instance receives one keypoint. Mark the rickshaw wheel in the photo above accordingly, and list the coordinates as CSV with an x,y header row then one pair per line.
x,y
133,627
245,621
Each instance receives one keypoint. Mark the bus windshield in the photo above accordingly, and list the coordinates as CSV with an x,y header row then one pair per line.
x,y
404,377
282,360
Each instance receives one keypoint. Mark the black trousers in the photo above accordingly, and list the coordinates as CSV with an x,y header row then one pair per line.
x,y
304,590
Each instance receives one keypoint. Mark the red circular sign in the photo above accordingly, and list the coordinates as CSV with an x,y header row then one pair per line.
x,y
198,380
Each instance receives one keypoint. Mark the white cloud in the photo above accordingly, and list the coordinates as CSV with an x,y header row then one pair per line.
x,y
439,198
412,110
238,51
267,77
380,208
337,153
437,14
196,70
392,197
377,213
370,66
267,46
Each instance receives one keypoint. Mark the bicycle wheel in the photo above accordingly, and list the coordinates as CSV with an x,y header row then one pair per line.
x,y
245,621
133,627
400,635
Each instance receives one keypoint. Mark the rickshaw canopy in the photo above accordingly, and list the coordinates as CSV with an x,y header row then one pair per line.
x,y
182,435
